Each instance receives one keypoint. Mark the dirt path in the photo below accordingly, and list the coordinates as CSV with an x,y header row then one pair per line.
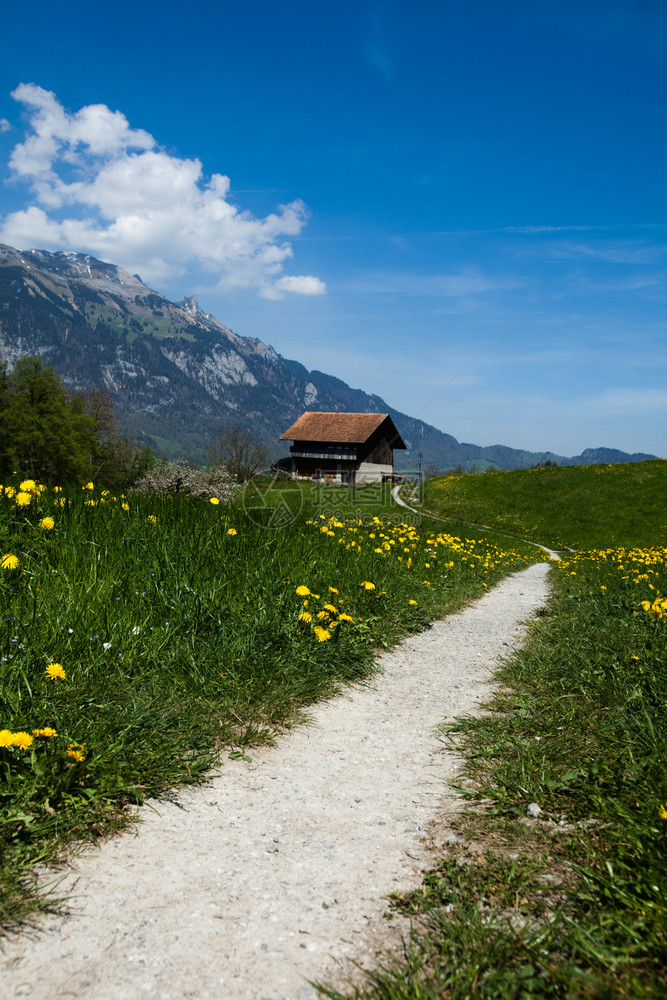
x,y
277,872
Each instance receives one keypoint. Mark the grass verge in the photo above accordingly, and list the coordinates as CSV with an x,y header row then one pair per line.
x,y
559,887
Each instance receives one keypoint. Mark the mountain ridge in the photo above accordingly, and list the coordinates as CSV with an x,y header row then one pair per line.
x,y
177,374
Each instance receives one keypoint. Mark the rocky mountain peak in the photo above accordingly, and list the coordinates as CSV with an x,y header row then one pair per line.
x,y
190,306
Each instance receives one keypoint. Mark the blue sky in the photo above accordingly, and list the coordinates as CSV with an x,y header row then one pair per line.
x,y
377,189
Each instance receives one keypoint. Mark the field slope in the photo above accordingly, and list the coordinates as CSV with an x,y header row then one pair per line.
x,y
572,507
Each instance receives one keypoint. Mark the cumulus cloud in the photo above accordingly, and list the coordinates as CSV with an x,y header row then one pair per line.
x,y
100,186
302,284
4,125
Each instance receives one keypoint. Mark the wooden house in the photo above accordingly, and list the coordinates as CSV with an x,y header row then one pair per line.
x,y
343,447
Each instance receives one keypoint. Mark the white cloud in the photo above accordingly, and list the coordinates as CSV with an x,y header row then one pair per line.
x,y
4,125
100,186
302,284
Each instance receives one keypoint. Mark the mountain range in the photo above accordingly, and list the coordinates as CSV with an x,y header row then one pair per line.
x,y
177,375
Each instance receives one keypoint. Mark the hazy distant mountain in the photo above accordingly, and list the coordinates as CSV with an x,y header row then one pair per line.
x,y
177,375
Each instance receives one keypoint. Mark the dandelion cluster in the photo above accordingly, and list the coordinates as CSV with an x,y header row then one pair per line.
x,y
657,609
427,558
434,553
40,739
635,577
324,618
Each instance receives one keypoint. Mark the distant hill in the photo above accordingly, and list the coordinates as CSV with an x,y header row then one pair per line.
x,y
177,375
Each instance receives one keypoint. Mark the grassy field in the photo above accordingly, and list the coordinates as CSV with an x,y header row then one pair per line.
x,y
559,887
141,636
571,507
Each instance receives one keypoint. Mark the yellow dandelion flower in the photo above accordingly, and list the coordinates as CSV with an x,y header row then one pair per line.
x,y
330,607
322,633
88,486
75,751
28,484
23,499
6,737
22,740
232,531
8,561
214,501
302,591
662,812
57,489
305,616
412,602
45,732
125,505
55,671
367,585
345,618
152,519
322,614
332,590
47,523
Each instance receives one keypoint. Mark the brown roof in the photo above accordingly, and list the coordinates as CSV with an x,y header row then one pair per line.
x,y
343,428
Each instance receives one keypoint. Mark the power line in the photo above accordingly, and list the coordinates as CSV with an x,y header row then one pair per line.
x,y
480,352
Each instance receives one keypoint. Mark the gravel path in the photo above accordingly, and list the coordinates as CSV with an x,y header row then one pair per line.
x,y
276,872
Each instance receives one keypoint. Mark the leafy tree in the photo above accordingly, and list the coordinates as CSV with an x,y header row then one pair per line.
x,y
240,452
49,435
46,435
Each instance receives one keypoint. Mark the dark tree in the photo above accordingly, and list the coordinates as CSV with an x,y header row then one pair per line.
x,y
48,435
114,460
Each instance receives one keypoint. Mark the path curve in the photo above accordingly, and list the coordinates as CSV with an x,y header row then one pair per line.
x,y
397,498
275,873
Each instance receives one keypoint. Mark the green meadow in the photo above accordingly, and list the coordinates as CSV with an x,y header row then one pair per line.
x,y
142,636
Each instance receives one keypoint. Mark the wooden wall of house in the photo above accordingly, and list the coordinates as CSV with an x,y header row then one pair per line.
x,y
379,453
